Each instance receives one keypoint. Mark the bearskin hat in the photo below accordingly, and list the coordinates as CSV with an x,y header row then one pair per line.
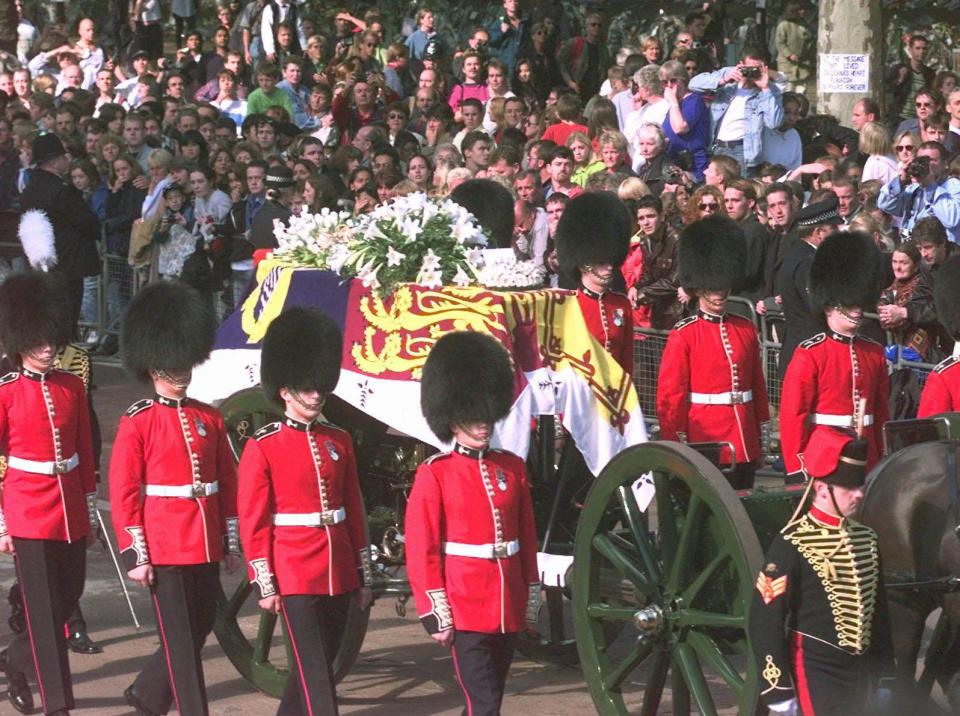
x,y
34,310
168,326
711,255
594,229
301,351
467,378
492,205
946,295
847,270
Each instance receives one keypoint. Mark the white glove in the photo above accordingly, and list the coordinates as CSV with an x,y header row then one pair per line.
x,y
790,707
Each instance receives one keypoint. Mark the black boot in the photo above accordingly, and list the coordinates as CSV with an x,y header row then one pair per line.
x,y
18,690
133,701
80,642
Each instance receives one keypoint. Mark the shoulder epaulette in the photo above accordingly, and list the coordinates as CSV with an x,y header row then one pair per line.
x,y
814,340
683,323
436,456
9,377
139,407
940,367
267,430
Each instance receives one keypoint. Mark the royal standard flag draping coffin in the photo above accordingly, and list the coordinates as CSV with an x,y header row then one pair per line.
x,y
560,369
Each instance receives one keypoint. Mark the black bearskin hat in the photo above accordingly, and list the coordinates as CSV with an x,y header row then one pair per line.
x,y
492,205
467,379
946,295
302,351
711,255
594,229
847,271
168,326
34,310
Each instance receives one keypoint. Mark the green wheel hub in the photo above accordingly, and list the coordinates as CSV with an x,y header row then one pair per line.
x,y
250,650
677,579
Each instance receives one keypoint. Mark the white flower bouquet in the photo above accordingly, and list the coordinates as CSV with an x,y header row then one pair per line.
x,y
501,269
310,239
413,239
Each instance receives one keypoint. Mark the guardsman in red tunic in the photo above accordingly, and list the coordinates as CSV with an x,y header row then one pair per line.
x,y
49,489
941,392
593,238
818,623
711,386
471,538
832,372
301,515
173,492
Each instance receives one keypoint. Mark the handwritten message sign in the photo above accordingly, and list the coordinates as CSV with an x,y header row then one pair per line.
x,y
844,73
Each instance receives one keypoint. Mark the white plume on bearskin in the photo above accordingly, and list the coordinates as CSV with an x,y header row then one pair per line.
x,y
36,236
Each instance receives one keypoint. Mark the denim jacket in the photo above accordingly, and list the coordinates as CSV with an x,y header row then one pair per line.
x,y
909,204
764,109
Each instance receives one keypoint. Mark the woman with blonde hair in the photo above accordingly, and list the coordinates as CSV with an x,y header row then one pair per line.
x,y
875,143
706,201
613,153
585,161
905,146
870,225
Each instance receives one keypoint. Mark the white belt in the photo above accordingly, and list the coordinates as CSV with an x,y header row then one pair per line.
x,y
310,519
44,467
839,421
734,397
200,489
499,550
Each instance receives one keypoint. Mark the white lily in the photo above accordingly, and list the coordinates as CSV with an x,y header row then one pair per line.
x,y
462,278
431,262
394,257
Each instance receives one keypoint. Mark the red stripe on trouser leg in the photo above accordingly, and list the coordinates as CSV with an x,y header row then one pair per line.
x,y
166,651
800,671
456,668
33,648
296,654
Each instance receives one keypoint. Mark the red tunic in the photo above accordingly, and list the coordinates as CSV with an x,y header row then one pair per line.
x,y
609,318
828,375
454,499
295,468
941,393
165,442
39,413
709,355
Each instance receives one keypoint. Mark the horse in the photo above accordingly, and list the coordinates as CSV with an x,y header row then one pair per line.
x,y
912,501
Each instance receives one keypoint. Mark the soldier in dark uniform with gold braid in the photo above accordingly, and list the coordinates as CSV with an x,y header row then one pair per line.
x,y
818,622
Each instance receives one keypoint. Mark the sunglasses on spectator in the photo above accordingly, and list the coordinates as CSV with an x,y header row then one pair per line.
x,y
395,115
924,104
712,207
904,147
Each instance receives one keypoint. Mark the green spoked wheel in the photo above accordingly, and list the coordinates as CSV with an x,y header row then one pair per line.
x,y
247,634
677,579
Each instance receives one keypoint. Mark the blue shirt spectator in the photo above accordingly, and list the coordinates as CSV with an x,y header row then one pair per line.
x,y
934,194
742,107
687,125
508,33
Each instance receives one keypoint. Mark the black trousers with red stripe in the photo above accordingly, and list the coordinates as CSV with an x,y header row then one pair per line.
x,y
51,577
315,624
185,602
829,682
482,662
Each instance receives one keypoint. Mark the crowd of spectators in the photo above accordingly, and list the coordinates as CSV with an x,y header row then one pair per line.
x,y
187,156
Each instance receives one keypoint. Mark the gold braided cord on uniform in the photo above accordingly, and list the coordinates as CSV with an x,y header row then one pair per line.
x,y
75,359
846,561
